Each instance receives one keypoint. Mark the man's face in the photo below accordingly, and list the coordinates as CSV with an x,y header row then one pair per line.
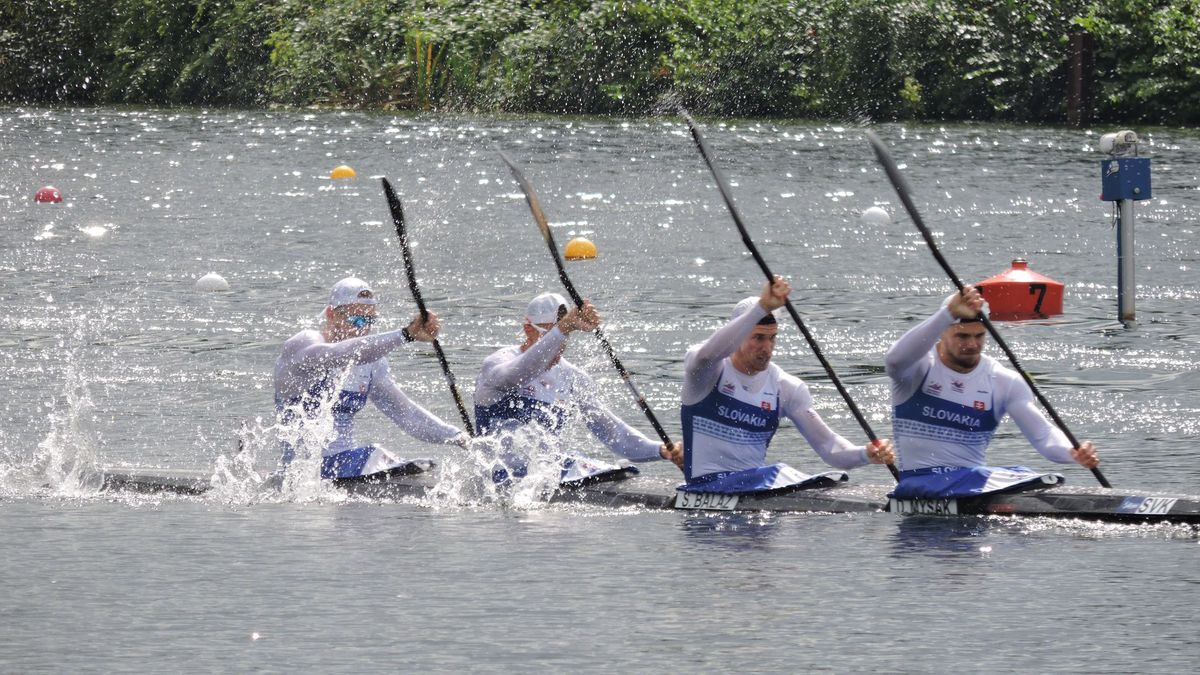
x,y
961,345
354,320
754,354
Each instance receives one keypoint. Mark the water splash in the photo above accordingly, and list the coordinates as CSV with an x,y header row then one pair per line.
x,y
66,458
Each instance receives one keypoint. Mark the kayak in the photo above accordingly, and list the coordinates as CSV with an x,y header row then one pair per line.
x,y
624,488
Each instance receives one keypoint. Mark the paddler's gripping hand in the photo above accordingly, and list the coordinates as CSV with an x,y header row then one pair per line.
x,y
881,451
966,304
673,453
1086,455
583,317
775,294
425,330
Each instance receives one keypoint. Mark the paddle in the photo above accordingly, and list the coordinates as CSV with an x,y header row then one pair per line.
x,y
540,218
902,189
727,195
402,232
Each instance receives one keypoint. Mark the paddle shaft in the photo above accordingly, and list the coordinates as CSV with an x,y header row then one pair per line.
x,y
727,195
402,232
540,218
902,189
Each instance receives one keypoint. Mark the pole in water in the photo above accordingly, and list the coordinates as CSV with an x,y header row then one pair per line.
x,y
1124,179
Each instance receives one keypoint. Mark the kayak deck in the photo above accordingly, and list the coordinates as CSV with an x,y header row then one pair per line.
x,y
622,490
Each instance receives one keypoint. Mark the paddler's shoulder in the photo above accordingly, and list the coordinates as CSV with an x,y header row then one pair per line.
x,y
306,337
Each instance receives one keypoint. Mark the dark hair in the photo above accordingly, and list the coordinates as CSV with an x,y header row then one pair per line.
x,y
767,320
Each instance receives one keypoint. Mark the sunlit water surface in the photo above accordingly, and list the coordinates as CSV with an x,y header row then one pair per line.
x,y
111,357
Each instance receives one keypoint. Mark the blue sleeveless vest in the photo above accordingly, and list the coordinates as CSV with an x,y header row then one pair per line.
x,y
724,433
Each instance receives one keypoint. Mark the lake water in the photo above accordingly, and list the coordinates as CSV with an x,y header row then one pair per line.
x,y
112,358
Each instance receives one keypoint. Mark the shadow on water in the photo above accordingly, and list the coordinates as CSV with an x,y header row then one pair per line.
x,y
939,537
737,532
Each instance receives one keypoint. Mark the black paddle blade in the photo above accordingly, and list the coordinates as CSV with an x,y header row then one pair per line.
x,y
397,210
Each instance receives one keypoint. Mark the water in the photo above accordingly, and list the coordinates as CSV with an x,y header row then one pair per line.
x,y
112,358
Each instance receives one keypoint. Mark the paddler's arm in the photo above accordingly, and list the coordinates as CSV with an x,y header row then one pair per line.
x,y
795,402
505,375
611,430
1046,438
518,371
415,420
909,357
702,363
318,354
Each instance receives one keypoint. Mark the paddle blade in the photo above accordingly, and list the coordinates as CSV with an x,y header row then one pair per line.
x,y
889,166
535,206
397,210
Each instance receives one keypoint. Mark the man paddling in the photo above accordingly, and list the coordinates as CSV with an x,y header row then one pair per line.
x,y
733,397
949,398
531,386
331,374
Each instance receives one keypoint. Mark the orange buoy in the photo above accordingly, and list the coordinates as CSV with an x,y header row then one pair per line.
x,y
1020,293
48,195
342,171
580,248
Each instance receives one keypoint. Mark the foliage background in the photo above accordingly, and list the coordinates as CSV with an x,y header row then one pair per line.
x,y
883,59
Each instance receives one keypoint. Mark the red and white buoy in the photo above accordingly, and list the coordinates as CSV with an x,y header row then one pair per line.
x,y
48,195
1019,293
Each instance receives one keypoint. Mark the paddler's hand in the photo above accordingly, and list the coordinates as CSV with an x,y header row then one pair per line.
x,y
426,330
1086,455
881,451
966,304
580,318
775,294
672,453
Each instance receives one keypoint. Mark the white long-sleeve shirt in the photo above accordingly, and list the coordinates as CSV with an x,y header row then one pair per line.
x,y
513,384
703,367
914,367
308,368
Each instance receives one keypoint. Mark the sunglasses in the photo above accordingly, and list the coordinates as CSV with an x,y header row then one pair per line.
x,y
359,320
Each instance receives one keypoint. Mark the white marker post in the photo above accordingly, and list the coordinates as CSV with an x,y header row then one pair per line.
x,y
1124,179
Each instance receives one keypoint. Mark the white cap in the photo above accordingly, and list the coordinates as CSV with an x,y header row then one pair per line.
x,y
351,291
744,306
545,308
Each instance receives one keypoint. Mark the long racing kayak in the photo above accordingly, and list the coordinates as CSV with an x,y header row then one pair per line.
x,y
623,488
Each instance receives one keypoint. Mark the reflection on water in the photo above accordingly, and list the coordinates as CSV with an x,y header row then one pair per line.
x,y
731,532
940,537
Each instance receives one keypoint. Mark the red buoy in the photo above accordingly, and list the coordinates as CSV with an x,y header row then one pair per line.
x,y
48,195
1020,293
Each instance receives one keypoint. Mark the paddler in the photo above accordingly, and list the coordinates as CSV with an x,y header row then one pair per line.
x,y
531,386
733,397
331,373
949,398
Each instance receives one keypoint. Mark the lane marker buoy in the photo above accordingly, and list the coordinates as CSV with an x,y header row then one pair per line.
x,y
48,195
579,248
212,282
1019,293
342,171
876,215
